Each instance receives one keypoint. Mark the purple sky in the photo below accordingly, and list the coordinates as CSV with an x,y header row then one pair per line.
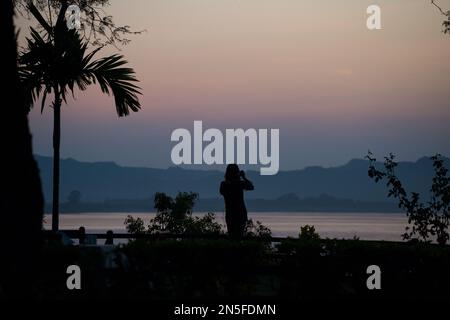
x,y
310,68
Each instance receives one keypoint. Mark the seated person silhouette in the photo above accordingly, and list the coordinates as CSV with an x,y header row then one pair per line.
x,y
232,189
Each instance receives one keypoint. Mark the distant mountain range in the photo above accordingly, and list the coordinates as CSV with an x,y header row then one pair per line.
x,y
107,182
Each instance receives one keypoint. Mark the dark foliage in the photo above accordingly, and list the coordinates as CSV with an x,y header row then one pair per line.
x,y
174,215
427,220
96,25
169,270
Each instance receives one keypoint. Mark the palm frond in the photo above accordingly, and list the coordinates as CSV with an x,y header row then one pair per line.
x,y
66,64
118,80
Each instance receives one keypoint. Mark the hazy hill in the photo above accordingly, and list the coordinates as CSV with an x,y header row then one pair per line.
x,y
99,181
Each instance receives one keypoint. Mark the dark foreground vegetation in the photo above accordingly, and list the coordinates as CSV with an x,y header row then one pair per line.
x,y
200,263
208,269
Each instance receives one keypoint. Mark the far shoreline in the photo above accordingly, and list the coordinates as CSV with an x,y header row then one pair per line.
x,y
269,213
319,205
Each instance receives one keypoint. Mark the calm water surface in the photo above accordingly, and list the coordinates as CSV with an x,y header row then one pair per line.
x,y
367,226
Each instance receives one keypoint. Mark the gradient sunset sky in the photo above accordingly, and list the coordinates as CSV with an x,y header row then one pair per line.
x,y
310,68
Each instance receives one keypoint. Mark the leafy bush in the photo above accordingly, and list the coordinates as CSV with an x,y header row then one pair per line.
x,y
134,226
308,233
203,225
175,216
256,230
428,219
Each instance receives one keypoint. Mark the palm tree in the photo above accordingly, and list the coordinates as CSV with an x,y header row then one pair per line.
x,y
60,63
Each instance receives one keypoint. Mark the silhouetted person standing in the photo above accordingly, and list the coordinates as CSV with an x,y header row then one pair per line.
x,y
81,235
232,190
109,237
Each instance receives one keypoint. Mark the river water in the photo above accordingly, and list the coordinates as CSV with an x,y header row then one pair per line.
x,y
366,226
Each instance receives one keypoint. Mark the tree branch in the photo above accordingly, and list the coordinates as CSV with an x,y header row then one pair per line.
x,y
433,2
35,12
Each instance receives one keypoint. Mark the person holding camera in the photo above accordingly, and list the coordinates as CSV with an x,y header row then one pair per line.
x,y
232,189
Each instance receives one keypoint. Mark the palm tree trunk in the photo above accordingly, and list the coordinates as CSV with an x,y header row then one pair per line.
x,y
56,156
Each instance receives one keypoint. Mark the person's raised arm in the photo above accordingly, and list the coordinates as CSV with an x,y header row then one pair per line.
x,y
248,185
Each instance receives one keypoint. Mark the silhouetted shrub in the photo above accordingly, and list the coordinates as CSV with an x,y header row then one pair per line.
x,y
202,225
173,269
308,233
134,226
256,230
428,219
308,246
175,216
